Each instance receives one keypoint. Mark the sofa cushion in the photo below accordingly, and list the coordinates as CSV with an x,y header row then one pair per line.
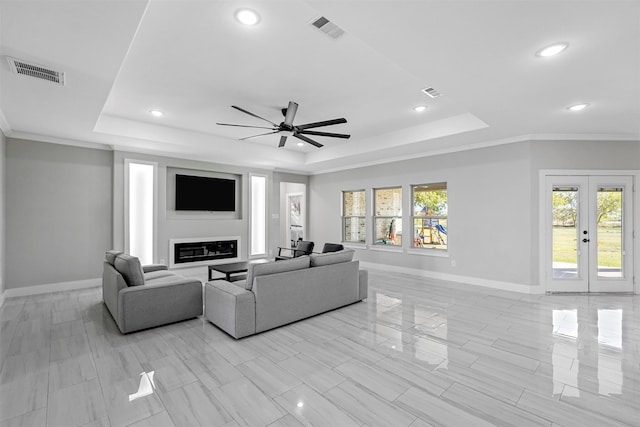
x,y
111,255
329,258
130,268
157,274
274,267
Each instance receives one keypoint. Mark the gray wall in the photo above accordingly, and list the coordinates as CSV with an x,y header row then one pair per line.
x,y
493,203
64,206
58,212
3,144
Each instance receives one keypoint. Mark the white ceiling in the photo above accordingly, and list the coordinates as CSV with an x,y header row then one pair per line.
x,y
193,60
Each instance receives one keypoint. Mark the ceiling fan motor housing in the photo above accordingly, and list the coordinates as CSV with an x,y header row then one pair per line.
x,y
285,127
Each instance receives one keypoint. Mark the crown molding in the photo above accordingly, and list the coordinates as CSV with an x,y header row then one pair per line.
x,y
483,144
61,141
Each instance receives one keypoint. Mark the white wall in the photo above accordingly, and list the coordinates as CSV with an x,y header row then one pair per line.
x,y
493,205
58,213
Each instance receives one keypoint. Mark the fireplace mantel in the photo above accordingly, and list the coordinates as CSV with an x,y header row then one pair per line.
x,y
196,251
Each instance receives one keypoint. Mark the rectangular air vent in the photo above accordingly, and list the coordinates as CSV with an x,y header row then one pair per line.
x,y
36,71
431,92
328,27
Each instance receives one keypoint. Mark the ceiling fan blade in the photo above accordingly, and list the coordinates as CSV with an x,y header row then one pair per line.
x,y
291,113
333,135
283,139
261,134
244,126
254,115
319,124
308,140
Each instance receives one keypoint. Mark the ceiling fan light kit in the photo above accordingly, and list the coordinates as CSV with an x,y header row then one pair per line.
x,y
286,128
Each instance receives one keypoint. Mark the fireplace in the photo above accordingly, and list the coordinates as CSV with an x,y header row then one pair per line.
x,y
203,251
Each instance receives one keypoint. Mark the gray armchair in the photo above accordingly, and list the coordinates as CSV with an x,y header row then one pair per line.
x,y
140,297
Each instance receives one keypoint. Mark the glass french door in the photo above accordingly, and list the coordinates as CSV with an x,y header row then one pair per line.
x,y
589,233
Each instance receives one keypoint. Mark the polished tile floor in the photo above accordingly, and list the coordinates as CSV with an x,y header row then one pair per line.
x,y
415,353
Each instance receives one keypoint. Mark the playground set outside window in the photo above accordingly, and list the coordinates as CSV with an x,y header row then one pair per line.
x,y
430,207
387,220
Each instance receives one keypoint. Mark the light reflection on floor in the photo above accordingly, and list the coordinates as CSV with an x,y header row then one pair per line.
x,y
146,387
574,343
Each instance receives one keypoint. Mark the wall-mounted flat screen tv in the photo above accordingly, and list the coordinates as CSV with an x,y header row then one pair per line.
x,y
202,193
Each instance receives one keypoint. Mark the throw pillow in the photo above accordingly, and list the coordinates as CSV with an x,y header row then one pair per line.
x,y
329,258
111,255
255,270
130,268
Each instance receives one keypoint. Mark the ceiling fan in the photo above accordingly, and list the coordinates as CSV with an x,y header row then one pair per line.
x,y
287,128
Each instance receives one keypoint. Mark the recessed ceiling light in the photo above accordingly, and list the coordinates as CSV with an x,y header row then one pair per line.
x,y
419,108
300,144
553,49
156,113
577,107
247,17
300,404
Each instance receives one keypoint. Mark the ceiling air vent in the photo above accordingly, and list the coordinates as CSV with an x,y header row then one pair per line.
x,y
328,27
36,71
431,92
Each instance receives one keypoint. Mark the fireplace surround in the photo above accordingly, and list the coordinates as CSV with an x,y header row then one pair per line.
x,y
203,251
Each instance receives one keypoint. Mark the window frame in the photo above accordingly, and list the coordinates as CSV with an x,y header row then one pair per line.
x,y
150,236
429,247
258,225
344,217
375,217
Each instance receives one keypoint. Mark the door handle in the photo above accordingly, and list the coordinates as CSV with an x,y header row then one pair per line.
x,y
586,240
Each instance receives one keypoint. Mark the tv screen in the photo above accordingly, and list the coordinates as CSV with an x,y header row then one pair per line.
x,y
201,193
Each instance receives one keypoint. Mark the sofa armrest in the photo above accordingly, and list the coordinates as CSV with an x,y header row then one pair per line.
x,y
154,304
363,282
153,267
230,307
112,284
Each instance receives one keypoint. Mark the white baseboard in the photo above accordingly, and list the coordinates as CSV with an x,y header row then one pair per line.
x,y
51,287
476,281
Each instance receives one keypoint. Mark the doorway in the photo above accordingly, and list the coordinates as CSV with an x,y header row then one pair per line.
x,y
588,233
293,202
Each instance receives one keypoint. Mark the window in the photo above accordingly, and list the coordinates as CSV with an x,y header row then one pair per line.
x,y
430,208
140,208
387,220
353,216
258,228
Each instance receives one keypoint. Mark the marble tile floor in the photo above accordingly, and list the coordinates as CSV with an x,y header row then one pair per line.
x,y
417,352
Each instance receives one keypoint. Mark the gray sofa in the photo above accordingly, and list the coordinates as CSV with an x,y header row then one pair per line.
x,y
282,292
140,297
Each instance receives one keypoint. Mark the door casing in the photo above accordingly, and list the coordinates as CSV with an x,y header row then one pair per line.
x,y
542,218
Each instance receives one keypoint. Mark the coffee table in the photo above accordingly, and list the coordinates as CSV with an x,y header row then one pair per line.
x,y
233,271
